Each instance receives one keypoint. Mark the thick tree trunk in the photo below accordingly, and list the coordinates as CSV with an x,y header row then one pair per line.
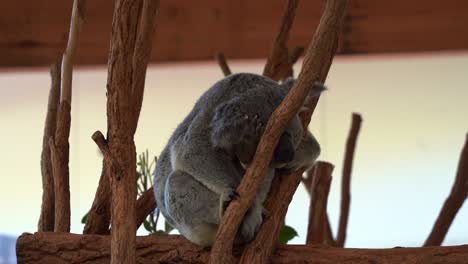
x,y
65,248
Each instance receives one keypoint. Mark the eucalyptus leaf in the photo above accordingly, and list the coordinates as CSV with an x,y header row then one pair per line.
x,y
287,233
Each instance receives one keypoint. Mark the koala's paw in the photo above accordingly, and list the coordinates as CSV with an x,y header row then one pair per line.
x,y
225,198
251,223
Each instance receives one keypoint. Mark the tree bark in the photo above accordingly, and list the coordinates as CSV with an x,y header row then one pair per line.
x,y
46,219
346,179
315,67
278,63
64,248
317,228
132,31
454,201
221,59
144,206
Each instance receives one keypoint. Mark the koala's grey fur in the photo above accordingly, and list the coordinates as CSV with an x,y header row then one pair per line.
x,y
201,166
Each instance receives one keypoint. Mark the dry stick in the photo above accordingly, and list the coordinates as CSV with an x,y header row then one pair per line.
x,y
42,248
319,56
315,67
59,145
277,65
46,220
346,178
144,206
328,234
98,219
320,188
454,201
131,41
221,59
78,14
294,55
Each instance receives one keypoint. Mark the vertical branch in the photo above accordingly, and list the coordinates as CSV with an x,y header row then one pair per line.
x,y
59,145
46,220
294,55
133,27
319,56
277,65
317,62
317,228
453,203
346,178
223,63
78,14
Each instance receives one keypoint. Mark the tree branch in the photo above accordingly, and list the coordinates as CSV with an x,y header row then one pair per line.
x,y
317,228
131,40
223,63
346,178
77,18
42,248
46,219
315,67
454,201
278,63
144,206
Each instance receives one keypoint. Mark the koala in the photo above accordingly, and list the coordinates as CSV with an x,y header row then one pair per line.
x,y
199,169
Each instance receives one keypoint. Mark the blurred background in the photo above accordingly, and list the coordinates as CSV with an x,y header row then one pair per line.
x,y
403,69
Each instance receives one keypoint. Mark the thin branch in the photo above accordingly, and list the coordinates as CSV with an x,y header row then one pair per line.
x,y
42,248
277,64
77,18
221,59
454,201
307,183
294,55
46,220
144,206
346,178
317,227
315,67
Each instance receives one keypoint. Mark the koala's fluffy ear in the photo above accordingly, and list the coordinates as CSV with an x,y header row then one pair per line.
x,y
226,124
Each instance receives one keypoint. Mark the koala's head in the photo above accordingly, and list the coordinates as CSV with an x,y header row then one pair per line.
x,y
238,124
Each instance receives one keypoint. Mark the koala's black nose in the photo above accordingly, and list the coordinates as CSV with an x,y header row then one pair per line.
x,y
284,151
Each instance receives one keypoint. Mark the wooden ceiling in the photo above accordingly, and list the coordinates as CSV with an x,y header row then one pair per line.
x,y
34,33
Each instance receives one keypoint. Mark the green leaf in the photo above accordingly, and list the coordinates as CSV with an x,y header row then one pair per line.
x,y
286,234
84,218
147,226
167,227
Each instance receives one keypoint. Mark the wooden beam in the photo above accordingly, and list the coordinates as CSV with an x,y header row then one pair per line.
x,y
58,248
34,33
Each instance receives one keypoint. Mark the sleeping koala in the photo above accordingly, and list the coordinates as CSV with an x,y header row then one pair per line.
x,y
201,166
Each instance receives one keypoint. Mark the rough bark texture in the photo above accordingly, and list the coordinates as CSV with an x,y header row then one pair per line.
x,y
144,206
317,228
98,219
278,64
46,219
454,201
59,149
346,178
64,248
221,59
132,30
315,67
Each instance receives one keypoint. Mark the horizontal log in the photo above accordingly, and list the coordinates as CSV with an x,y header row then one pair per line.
x,y
64,248
34,32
